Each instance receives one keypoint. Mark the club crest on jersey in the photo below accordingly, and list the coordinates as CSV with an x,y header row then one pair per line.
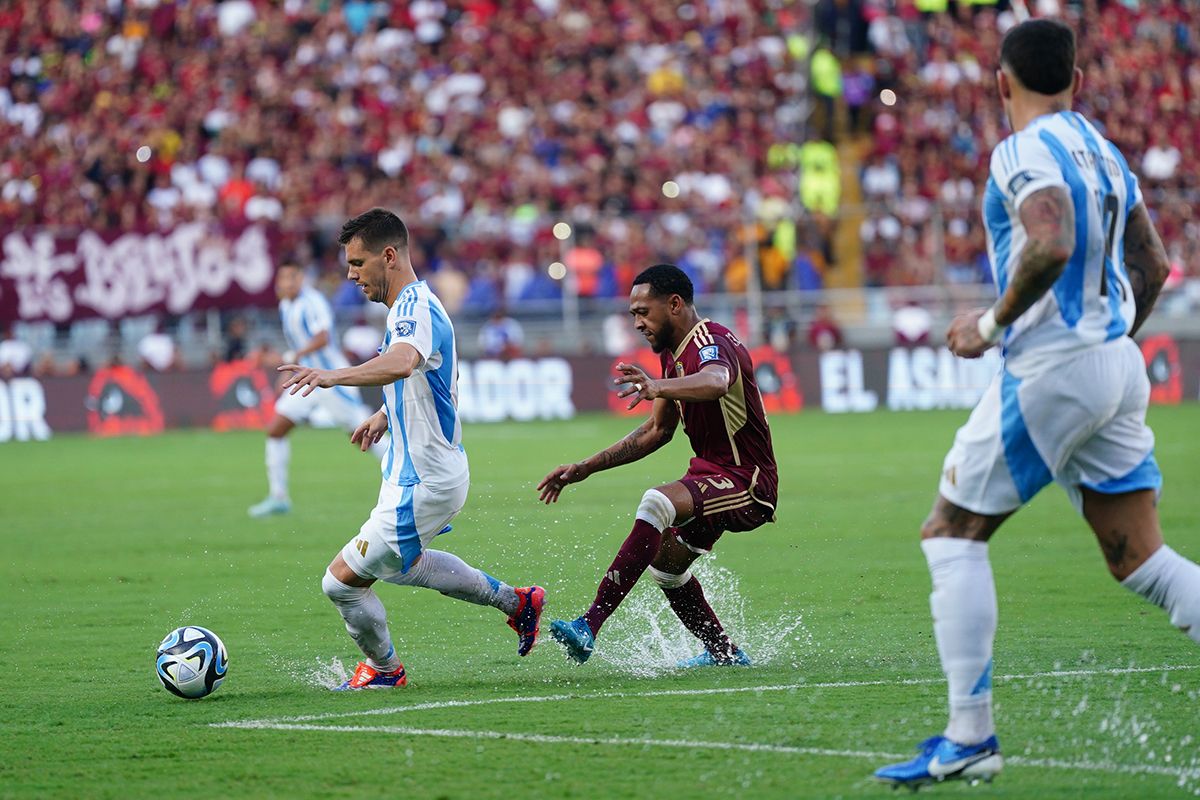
x,y
708,353
405,327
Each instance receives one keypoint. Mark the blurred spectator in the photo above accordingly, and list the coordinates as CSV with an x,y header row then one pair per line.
x,y
618,334
823,332
361,342
15,355
236,345
157,351
501,336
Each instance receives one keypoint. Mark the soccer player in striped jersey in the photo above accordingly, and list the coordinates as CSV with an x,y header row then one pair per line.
x,y
1079,266
707,382
308,328
425,472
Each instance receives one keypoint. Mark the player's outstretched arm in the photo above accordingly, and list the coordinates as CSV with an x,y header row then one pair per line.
x,y
1048,216
394,365
710,383
1146,262
652,434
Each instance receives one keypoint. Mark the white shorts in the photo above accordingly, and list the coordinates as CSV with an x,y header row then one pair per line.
x,y
1082,423
405,520
342,405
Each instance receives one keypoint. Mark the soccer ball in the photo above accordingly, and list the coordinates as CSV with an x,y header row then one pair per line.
x,y
191,662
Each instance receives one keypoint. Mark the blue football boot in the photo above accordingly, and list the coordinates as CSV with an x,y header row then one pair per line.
x,y
576,636
707,659
941,760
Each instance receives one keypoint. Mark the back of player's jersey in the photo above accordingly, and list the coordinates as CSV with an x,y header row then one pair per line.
x,y
303,318
1091,302
426,444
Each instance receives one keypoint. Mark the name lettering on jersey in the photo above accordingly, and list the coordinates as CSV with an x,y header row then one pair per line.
x,y
1087,160
1018,182
405,327
708,353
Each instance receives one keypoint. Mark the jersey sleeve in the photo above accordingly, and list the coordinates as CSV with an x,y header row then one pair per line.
x,y
719,352
1021,165
411,323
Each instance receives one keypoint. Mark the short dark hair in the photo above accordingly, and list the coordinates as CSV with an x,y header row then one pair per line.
x,y
377,229
1040,53
666,280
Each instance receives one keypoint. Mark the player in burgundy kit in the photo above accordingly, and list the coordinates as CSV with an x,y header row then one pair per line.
x,y
731,484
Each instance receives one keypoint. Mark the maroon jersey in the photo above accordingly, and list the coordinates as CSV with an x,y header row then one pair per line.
x,y
729,433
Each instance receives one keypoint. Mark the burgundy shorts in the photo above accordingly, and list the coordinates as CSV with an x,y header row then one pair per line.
x,y
723,501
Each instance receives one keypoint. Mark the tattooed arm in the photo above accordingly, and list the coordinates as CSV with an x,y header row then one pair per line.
x,y
1146,262
652,434
1048,216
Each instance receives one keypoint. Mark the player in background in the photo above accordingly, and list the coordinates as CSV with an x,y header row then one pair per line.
x,y
731,485
1079,266
425,473
308,327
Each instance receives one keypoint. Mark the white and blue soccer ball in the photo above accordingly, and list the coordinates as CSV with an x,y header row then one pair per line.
x,y
191,662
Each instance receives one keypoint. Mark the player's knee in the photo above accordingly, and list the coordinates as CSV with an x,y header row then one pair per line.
x,y
657,509
669,580
339,592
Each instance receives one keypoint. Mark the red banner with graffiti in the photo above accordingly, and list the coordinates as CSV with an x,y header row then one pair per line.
x,y
61,276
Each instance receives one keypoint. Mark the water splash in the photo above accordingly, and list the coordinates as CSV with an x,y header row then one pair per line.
x,y
644,638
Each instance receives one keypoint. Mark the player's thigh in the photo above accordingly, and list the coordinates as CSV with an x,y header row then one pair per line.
x,y
1118,455
297,407
402,524
976,474
721,501
674,555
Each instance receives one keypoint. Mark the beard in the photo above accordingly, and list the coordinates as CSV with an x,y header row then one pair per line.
x,y
662,337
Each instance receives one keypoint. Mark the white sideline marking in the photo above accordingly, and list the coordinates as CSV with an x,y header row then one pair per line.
x,y
784,687
749,747
299,723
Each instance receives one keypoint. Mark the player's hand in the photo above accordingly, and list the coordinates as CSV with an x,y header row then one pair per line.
x,y
963,337
305,379
370,431
553,484
637,383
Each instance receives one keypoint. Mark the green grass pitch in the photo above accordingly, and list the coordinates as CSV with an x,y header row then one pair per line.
x,y
105,546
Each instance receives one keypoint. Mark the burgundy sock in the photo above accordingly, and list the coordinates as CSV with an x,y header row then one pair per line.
x,y
636,553
697,616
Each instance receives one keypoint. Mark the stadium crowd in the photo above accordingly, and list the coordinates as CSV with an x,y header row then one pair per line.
x,y
488,121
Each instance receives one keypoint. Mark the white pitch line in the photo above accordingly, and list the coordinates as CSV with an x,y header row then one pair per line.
x,y
784,687
748,747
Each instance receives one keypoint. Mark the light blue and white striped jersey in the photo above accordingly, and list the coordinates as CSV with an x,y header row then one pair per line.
x,y
422,410
303,318
1091,302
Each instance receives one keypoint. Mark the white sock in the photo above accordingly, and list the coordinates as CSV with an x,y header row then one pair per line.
x,y
279,452
366,621
1171,582
453,577
963,604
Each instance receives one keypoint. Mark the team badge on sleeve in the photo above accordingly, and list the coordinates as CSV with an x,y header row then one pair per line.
x,y
1018,182
405,328
708,353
